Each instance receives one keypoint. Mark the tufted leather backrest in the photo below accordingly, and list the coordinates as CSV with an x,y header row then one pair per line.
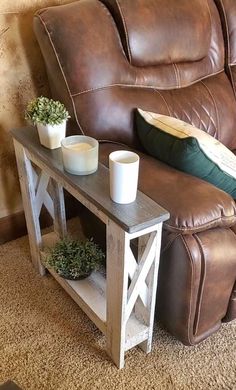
x,y
106,59
154,33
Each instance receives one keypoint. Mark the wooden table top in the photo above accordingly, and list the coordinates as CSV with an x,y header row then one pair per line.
x,y
142,213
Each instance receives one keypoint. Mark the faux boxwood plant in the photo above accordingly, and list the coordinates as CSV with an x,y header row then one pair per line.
x,y
46,111
74,259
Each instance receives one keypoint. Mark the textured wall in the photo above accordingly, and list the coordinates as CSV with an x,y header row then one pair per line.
x,y
23,77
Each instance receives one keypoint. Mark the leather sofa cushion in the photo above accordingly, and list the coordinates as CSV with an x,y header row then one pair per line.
x,y
154,42
194,204
188,149
148,40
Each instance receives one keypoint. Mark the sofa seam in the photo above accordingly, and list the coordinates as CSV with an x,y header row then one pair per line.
x,y
191,289
227,31
170,243
177,75
192,268
115,28
145,86
209,11
228,65
232,79
216,109
62,72
199,301
112,142
167,105
203,226
176,78
125,29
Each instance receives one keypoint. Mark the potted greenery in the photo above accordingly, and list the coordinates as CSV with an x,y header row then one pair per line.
x,y
74,259
50,117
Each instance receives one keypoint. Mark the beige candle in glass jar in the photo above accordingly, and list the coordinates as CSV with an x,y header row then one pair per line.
x,y
80,154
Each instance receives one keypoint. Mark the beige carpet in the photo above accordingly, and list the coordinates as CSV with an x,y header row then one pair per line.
x,y
47,342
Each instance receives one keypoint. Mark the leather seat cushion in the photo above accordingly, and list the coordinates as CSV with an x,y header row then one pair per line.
x,y
194,204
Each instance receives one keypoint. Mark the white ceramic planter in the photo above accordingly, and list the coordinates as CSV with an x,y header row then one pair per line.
x,y
51,136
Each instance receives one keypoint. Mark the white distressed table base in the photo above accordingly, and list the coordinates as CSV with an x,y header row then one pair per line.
x,y
131,289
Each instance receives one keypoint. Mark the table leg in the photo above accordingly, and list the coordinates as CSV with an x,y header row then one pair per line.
x,y
116,292
28,197
59,220
151,282
131,306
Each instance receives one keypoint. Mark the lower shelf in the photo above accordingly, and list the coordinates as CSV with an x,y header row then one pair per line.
x,y
90,295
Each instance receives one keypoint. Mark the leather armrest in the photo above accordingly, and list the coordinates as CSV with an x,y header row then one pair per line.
x,y
194,204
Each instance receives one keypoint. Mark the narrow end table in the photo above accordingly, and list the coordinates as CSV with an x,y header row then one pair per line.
x,y
121,305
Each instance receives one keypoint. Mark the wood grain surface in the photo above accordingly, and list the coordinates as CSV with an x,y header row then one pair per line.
x,y
142,213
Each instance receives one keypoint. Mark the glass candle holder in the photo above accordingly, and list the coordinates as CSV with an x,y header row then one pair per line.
x,y
80,154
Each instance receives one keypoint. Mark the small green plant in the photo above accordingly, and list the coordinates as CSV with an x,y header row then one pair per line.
x,y
46,111
73,259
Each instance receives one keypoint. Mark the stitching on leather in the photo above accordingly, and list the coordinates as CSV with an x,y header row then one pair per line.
x,y
145,86
190,300
169,243
214,102
201,119
62,72
176,75
114,25
181,107
210,119
189,106
208,7
228,64
167,106
76,117
203,277
122,86
178,71
203,226
227,30
125,29
191,287
111,142
232,80
54,49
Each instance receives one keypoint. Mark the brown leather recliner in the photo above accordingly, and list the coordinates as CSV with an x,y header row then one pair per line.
x,y
106,58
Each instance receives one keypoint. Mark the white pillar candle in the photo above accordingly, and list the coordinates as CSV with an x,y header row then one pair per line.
x,y
80,146
124,168
80,154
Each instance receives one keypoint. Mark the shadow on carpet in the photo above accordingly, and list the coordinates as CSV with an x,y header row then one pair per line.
x,y
9,385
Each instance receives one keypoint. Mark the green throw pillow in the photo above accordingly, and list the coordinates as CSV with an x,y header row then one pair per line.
x,y
188,149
